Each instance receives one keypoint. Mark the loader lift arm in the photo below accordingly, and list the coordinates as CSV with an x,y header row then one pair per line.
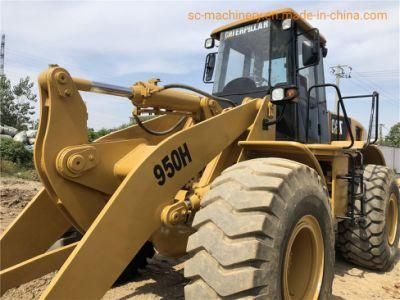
x,y
114,190
250,190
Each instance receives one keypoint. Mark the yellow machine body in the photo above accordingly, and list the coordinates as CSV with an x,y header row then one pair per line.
x,y
130,186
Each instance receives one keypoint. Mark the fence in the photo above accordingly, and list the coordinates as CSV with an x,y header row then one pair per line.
x,y
392,157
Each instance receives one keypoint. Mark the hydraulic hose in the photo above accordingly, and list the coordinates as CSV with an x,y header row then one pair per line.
x,y
179,123
159,133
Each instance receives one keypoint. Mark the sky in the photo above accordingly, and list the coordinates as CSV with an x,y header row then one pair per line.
x,y
121,42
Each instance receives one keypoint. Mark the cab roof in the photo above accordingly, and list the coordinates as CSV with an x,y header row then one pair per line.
x,y
280,13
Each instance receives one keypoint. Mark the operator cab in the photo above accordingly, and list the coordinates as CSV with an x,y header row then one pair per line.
x,y
277,54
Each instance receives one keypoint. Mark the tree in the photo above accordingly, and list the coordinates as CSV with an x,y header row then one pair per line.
x,y
16,109
393,138
94,135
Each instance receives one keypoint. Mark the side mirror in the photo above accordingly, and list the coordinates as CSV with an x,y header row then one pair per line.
x,y
209,43
324,52
310,50
310,57
209,67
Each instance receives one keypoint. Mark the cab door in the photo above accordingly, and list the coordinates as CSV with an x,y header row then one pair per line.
x,y
307,77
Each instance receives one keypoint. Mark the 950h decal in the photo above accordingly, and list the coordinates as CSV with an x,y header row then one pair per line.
x,y
172,163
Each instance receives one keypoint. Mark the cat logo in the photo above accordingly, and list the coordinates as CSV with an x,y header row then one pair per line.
x,y
246,29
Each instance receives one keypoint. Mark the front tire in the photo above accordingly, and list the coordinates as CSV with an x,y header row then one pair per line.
x,y
264,231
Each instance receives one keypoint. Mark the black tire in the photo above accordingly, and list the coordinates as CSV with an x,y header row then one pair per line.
x,y
367,244
244,226
137,263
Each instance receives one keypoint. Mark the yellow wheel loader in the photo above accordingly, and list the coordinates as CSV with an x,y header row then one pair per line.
x,y
252,180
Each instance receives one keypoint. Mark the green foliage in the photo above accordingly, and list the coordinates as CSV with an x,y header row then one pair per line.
x,y
95,134
16,160
393,138
15,152
9,168
15,108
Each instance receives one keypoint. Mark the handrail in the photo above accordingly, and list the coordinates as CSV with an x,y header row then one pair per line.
x,y
340,102
374,110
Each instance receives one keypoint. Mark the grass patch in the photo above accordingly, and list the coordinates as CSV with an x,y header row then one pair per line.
x,y
12,169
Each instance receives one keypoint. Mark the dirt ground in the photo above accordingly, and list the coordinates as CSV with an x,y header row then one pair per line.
x,y
163,277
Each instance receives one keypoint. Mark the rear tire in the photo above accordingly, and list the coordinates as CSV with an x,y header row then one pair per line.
x,y
374,244
265,228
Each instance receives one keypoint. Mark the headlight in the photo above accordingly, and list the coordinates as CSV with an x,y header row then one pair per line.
x,y
283,94
277,94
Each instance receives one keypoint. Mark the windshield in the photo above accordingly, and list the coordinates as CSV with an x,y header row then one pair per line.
x,y
249,62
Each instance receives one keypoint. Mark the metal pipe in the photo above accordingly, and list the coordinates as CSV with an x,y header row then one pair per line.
x,y
357,96
102,88
110,89
145,94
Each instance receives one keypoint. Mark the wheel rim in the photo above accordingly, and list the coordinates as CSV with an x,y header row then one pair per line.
x,y
392,219
303,266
